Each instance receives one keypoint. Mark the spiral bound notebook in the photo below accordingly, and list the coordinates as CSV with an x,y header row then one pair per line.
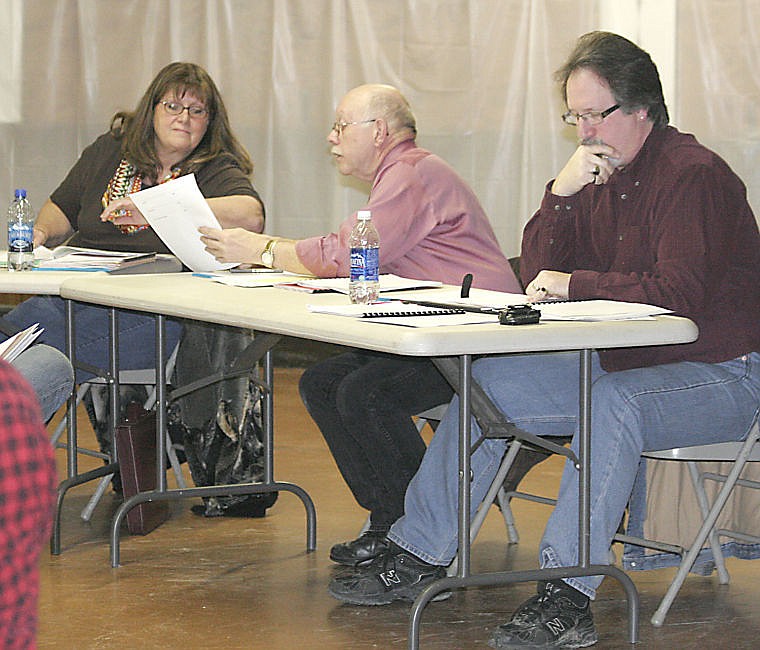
x,y
410,312
396,313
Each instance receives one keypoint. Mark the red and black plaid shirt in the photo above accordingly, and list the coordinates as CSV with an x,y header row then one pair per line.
x,y
27,493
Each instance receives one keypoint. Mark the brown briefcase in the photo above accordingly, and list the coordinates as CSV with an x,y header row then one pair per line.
x,y
136,449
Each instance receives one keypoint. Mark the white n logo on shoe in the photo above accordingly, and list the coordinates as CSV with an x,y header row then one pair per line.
x,y
556,626
390,578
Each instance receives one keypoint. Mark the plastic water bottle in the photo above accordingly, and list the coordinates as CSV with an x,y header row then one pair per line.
x,y
20,237
364,283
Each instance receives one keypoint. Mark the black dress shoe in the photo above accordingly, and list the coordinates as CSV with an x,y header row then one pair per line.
x,y
361,550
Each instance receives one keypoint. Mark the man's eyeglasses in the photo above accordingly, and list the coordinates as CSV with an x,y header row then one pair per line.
x,y
592,118
175,108
339,126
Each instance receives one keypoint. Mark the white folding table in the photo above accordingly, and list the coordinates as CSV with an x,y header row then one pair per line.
x,y
280,312
47,283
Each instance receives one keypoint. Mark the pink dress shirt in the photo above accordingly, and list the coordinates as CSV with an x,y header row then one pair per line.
x,y
431,226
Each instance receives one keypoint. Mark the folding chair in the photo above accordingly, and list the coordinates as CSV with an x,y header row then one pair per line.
x,y
738,453
141,377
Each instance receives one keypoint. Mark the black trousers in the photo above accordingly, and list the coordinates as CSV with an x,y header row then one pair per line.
x,y
363,403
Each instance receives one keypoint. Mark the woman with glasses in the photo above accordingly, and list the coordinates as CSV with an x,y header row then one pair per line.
x,y
180,126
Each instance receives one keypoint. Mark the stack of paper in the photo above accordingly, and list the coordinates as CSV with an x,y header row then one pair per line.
x,y
72,258
388,282
253,278
16,344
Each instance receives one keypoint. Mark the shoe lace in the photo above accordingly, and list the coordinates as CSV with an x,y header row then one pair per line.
x,y
540,606
382,562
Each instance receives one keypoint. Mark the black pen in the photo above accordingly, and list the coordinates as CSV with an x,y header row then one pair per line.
x,y
466,284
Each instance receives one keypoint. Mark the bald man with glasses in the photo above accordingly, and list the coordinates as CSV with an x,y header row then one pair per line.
x,y
431,227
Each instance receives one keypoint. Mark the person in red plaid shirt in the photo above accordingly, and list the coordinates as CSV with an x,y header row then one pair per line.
x,y
28,482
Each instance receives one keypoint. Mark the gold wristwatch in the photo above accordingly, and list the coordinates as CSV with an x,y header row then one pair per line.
x,y
267,255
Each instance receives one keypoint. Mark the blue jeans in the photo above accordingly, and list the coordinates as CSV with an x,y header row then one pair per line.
x,y
660,407
50,373
137,348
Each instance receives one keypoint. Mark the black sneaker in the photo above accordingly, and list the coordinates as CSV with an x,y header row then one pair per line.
x,y
559,617
360,551
395,575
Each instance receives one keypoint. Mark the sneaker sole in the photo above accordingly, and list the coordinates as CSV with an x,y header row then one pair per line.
x,y
580,640
383,599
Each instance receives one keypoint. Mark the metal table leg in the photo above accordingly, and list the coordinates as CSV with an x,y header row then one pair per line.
x,y
260,349
583,463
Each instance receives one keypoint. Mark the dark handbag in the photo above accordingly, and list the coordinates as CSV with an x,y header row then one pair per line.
x,y
136,449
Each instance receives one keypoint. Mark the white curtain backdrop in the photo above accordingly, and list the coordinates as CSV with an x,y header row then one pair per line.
x,y
478,74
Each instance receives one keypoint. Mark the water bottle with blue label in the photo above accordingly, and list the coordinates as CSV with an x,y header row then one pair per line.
x,y
20,233
364,281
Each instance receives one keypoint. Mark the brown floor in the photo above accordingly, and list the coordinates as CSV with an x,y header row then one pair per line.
x,y
218,584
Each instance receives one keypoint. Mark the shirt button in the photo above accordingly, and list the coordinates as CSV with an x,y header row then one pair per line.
x,y
557,207
624,196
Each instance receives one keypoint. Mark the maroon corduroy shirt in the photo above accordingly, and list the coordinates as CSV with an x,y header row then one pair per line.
x,y
674,229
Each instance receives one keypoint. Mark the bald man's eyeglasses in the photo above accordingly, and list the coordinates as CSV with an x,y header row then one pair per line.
x,y
339,126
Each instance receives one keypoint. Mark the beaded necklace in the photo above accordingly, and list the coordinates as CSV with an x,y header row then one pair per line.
x,y
125,181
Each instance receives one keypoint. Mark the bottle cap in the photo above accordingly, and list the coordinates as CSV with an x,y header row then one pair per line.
x,y
20,193
363,215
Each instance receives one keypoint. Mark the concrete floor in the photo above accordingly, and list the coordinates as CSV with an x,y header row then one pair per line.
x,y
248,583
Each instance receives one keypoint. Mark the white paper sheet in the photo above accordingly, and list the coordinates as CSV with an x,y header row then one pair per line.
x,y
388,282
16,344
254,278
175,210
572,310
599,310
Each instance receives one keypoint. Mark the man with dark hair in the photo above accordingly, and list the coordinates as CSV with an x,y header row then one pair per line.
x,y
640,212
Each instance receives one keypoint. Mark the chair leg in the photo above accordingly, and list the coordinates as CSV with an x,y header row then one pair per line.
x,y
709,523
56,437
505,503
171,452
89,508
490,497
704,507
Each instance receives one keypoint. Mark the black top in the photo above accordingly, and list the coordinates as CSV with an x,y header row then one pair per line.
x,y
80,194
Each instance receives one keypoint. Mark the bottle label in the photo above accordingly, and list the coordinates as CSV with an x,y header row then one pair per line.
x,y
20,238
365,264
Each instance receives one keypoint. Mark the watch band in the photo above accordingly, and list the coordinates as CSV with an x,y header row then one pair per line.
x,y
267,255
